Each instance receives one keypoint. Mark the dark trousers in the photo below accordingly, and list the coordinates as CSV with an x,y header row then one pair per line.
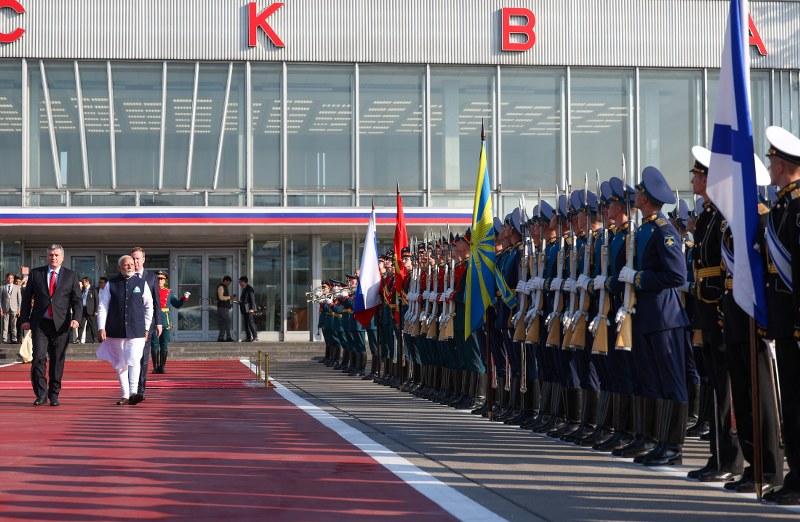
x,y
224,318
741,386
788,354
249,322
88,325
722,432
144,363
48,343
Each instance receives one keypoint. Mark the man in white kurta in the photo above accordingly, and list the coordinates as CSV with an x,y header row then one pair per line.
x,y
124,315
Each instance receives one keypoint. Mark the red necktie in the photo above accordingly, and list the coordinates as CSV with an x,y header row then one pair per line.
x,y
52,291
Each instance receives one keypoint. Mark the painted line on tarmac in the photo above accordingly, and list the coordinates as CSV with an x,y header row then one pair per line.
x,y
9,364
455,503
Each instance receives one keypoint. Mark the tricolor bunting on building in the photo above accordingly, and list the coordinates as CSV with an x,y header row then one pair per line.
x,y
368,292
400,242
732,171
480,271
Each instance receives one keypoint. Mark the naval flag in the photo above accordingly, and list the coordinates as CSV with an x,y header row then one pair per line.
x,y
732,171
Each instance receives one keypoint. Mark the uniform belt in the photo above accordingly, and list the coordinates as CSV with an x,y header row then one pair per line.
x,y
773,269
703,273
337,315
347,310
729,283
165,309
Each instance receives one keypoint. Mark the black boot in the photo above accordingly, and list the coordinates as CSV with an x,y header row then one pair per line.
x,y
643,419
163,362
498,396
555,410
524,398
693,406
621,435
673,434
543,407
705,413
154,358
371,373
592,426
513,401
480,392
468,403
655,432
574,414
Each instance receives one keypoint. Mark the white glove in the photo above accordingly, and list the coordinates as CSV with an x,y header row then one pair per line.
x,y
599,282
448,293
425,295
432,297
529,288
684,288
186,295
520,289
538,283
556,284
584,282
441,297
569,284
627,275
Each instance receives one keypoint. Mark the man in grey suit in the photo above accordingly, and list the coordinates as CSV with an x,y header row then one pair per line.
x,y
10,301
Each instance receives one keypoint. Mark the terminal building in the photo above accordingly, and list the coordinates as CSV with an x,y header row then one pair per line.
x,y
234,137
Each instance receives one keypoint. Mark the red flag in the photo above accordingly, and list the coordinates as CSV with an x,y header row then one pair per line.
x,y
400,242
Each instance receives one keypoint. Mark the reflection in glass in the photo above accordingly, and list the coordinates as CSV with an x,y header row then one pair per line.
x,y
786,100
298,266
41,171
266,125
64,107
319,200
390,122
460,98
11,124
337,258
94,87
671,122
531,127
137,122
320,127
267,284
600,115
213,81
190,274
180,94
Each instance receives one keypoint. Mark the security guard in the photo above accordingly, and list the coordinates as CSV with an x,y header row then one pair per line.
x,y
783,297
726,461
659,325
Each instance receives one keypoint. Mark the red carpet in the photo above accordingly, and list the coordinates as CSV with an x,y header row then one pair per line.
x,y
206,444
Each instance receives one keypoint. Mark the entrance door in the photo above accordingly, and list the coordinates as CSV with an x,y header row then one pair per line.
x,y
200,274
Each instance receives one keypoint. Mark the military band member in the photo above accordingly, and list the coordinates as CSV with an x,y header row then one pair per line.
x,y
356,330
783,297
660,336
726,461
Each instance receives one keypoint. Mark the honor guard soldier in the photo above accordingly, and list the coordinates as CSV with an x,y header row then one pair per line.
x,y
357,332
726,459
624,386
386,327
783,297
659,325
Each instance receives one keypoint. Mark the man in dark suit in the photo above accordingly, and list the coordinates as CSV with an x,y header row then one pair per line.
x,y
248,307
88,329
137,253
51,307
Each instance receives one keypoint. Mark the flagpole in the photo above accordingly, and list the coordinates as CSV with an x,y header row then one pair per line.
x,y
756,404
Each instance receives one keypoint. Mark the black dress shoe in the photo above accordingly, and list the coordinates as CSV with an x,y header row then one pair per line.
x,y
783,497
40,401
122,402
718,476
749,486
136,398
54,401
695,473
255,339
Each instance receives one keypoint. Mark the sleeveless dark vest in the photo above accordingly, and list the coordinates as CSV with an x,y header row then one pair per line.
x,y
126,308
226,293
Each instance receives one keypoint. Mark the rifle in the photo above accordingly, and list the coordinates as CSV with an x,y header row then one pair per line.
x,y
553,321
578,338
423,315
566,318
432,332
446,327
534,316
624,321
522,305
599,325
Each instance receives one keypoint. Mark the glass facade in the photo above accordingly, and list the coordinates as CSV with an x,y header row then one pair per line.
x,y
265,134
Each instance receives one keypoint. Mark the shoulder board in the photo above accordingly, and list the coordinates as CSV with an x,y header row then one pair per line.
x,y
661,222
689,244
794,194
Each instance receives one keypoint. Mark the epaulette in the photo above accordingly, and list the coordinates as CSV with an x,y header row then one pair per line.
x,y
651,217
762,209
661,222
791,189
794,194
689,244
